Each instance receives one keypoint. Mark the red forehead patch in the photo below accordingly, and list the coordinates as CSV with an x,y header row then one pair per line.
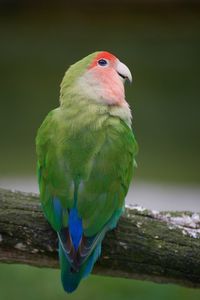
x,y
103,54
106,55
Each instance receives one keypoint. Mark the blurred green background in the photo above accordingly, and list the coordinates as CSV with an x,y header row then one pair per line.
x,y
160,42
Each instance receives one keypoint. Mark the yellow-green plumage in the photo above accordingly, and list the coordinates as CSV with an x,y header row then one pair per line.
x,y
86,153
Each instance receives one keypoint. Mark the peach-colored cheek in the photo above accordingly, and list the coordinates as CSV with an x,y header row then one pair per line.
x,y
112,87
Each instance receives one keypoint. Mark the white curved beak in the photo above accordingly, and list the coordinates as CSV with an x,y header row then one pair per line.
x,y
123,71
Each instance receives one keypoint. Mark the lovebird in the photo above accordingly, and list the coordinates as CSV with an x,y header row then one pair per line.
x,y
86,157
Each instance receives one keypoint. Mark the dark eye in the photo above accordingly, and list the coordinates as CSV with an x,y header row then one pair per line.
x,y
102,62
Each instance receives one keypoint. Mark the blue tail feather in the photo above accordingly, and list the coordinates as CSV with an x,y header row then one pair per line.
x,y
75,227
91,261
70,278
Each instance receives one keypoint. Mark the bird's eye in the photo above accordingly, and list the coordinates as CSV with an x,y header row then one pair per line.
x,y
102,62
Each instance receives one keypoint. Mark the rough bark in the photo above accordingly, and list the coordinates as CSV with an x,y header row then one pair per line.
x,y
146,245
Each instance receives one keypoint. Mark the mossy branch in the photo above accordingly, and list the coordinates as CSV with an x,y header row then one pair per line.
x,y
146,245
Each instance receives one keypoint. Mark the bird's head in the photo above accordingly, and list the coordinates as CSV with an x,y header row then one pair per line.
x,y
99,76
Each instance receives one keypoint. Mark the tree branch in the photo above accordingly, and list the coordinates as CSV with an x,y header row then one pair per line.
x,y
146,245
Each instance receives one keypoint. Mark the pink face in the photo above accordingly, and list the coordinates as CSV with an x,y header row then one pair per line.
x,y
108,76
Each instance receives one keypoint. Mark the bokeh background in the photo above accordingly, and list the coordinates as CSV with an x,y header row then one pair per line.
x,y
160,42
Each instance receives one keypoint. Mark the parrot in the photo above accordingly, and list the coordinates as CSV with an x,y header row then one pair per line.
x,y
85,161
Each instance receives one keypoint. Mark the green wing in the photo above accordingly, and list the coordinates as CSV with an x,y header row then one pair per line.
x,y
103,193
54,180
92,169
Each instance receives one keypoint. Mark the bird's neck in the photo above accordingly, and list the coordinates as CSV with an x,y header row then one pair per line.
x,y
83,111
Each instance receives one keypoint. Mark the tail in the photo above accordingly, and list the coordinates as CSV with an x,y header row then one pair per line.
x,y
71,278
78,253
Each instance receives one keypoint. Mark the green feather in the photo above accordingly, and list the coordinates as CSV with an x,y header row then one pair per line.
x,y
89,145
86,157
99,159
